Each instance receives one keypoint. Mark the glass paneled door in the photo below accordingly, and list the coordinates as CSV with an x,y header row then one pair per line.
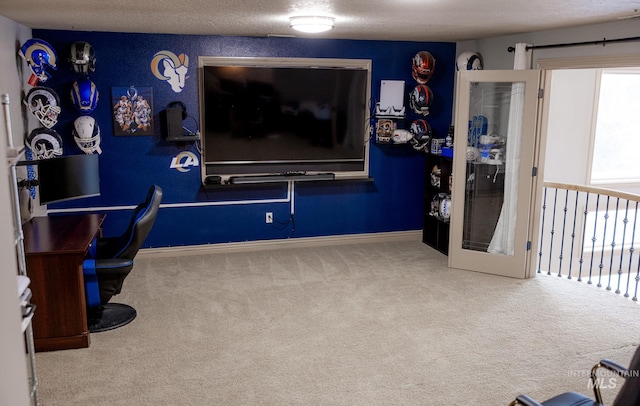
x,y
492,171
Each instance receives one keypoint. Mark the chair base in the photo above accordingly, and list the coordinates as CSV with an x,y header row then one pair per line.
x,y
110,316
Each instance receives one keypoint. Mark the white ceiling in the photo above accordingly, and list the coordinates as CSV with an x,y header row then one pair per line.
x,y
408,20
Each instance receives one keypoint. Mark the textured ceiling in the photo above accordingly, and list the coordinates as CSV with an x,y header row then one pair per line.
x,y
412,20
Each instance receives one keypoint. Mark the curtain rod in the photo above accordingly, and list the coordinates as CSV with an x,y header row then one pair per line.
x,y
603,41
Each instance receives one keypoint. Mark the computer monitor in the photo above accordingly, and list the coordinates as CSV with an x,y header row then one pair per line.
x,y
68,177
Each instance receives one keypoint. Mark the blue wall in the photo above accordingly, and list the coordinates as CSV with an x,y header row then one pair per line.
x,y
129,164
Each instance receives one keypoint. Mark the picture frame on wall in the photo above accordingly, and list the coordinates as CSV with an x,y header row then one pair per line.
x,y
132,109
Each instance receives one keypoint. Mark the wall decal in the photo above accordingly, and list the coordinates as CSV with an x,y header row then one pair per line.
x,y
165,65
132,112
184,161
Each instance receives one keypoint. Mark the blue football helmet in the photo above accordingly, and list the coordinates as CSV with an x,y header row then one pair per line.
x,y
421,99
84,95
40,56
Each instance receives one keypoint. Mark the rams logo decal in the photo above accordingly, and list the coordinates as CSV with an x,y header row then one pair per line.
x,y
184,161
172,68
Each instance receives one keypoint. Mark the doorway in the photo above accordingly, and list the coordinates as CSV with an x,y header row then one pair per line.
x,y
566,120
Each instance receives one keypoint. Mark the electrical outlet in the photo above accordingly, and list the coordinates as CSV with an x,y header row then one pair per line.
x,y
268,217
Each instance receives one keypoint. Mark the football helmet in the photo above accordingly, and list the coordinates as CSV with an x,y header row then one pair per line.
x,y
82,58
435,177
84,95
469,60
445,206
421,131
45,143
424,65
44,104
421,99
86,133
401,136
40,56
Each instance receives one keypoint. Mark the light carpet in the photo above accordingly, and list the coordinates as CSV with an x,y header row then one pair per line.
x,y
360,324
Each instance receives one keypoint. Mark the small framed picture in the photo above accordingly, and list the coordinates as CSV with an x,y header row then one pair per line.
x,y
132,110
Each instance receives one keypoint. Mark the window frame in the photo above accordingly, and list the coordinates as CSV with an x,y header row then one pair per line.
x,y
592,139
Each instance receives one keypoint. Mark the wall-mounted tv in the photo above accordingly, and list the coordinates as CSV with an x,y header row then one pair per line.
x,y
283,115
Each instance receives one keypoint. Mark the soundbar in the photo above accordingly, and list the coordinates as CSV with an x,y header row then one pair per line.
x,y
294,177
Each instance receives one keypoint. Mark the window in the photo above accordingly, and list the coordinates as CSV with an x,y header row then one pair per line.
x,y
616,148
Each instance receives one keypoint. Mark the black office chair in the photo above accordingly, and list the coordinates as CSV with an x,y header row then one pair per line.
x,y
112,262
629,394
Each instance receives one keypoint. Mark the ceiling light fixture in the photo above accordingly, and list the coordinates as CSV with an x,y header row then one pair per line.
x,y
311,24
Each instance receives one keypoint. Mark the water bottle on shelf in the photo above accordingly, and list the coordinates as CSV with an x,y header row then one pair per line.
x,y
448,140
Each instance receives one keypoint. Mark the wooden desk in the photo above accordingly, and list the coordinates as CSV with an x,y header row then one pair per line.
x,y
55,248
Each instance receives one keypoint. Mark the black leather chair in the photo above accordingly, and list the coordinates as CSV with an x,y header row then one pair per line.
x,y
112,263
629,394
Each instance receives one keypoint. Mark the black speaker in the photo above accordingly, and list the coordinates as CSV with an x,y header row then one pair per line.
x,y
173,122
180,105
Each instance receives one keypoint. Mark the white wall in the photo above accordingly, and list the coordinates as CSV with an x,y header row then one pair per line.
x,y
495,54
569,126
13,372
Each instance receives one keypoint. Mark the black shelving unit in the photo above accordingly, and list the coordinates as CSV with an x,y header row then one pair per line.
x,y
435,232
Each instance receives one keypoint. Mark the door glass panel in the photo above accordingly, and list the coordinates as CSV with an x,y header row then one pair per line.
x,y
496,111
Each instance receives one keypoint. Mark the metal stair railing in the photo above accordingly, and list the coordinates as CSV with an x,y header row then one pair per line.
x,y
591,234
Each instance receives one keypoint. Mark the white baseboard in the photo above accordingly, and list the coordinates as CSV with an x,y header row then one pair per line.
x,y
246,246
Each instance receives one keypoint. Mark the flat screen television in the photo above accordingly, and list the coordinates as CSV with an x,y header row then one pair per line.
x,y
285,115
68,177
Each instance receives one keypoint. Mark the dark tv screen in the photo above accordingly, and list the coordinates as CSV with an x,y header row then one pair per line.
x,y
68,177
274,119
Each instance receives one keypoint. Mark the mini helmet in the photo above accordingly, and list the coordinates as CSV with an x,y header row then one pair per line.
x,y
445,207
401,136
469,60
421,99
82,58
421,131
44,104
86,133
45,143
424,64
84,95
40,56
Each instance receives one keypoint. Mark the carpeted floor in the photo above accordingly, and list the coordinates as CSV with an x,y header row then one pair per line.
x,y
363,324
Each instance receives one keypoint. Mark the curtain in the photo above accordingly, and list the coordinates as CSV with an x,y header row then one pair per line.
x,y
503,238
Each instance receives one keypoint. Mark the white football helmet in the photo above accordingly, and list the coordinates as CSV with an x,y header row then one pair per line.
x,y
86,133
469,60
44,104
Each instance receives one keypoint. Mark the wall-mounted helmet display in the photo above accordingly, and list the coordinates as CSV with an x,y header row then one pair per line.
x,y
45,143
40,56
44,104
469,60
82,58
424,65
421,99
86,133
421,131
84,95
